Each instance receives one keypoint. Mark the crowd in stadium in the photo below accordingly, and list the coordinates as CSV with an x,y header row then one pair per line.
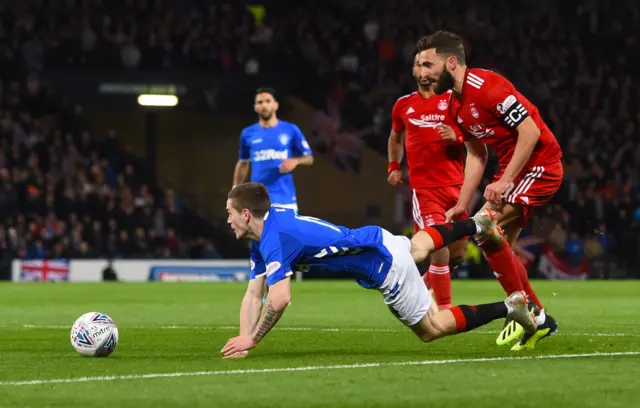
x,y
70,193
567,57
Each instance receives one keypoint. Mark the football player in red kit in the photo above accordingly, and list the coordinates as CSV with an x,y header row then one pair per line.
x,y
489,108
435,172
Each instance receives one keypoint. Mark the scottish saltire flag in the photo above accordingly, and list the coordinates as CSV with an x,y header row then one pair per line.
x,y
44,270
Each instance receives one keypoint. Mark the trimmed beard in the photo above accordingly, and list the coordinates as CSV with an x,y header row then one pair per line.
x,y
445,83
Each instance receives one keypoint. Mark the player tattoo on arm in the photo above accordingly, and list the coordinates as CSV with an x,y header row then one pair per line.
x,y
269,319
306,160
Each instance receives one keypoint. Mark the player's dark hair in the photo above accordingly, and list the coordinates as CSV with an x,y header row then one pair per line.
x,y
444,42
252,196
268,90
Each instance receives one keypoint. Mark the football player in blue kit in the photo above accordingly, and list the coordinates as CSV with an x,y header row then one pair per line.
x,y
272,149
284,241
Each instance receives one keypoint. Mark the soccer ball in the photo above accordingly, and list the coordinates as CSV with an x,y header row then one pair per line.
x,y
94,335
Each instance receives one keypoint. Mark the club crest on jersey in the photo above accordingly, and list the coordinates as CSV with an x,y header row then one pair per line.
x,y
474,112
443,105
284,139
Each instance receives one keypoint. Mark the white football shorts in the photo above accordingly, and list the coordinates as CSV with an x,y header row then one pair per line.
x,y
403,290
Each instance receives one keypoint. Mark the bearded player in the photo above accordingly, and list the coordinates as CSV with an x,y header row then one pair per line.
x,y
435,172
488,107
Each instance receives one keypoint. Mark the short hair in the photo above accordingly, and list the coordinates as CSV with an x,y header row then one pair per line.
x,y
268,90
444,42
252,196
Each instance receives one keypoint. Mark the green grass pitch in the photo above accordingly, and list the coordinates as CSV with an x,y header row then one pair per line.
x,y
336,346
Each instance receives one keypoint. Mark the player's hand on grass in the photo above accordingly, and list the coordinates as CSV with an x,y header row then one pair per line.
x,y
447,133
454,213
288,165
236,345
239,354
395,177
494,191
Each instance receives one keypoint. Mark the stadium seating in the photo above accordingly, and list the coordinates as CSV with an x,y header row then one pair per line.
x,y
349,57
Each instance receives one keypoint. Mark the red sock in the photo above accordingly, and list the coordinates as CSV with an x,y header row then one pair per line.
x,y
524,278
440,280
425,279
501,259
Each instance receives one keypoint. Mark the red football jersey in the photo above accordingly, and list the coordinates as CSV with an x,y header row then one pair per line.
x,y
491,109
432,161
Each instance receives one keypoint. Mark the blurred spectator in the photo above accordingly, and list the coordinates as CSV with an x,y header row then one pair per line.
x,y
576,60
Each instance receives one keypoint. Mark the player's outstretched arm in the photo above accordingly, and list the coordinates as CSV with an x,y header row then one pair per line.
x,y
251,306
473,172
277,301
241,172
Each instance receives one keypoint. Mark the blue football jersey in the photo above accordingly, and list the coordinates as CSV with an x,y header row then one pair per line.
x,y
266,148
292,242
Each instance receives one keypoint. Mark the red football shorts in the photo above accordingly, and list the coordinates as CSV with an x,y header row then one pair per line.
x,y
431,204
535,187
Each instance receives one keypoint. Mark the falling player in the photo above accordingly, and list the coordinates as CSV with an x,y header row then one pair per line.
x,y
283,241
488,107
272,148
435,172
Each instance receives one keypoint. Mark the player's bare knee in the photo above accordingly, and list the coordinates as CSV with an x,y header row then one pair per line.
x,y
434,331
421,246
441,256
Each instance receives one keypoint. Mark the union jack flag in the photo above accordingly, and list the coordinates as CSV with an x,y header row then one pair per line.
x,y
527,248
44,270
344,147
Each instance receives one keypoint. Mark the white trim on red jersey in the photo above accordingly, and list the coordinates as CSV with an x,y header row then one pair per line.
x,y
474,80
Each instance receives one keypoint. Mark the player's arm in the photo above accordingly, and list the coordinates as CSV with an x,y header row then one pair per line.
x,y
302,146
277,256
528,135
514,115
475,165
251,306
305,157
395,145
278,299
304,160
243,166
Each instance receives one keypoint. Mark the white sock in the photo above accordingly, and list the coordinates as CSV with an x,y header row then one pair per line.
x,y
510,308
542,318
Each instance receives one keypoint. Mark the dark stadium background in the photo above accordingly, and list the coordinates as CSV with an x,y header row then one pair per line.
x,y
87,173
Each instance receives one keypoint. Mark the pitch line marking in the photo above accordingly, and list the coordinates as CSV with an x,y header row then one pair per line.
x,y
320,329
310,368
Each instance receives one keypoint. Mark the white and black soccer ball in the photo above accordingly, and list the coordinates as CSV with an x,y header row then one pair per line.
x,y
94,335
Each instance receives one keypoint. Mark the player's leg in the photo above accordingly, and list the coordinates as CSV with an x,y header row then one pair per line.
x,y
463,318
546,325
499,253
429,208
438,236
457,253
439,278
408,299
533,189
